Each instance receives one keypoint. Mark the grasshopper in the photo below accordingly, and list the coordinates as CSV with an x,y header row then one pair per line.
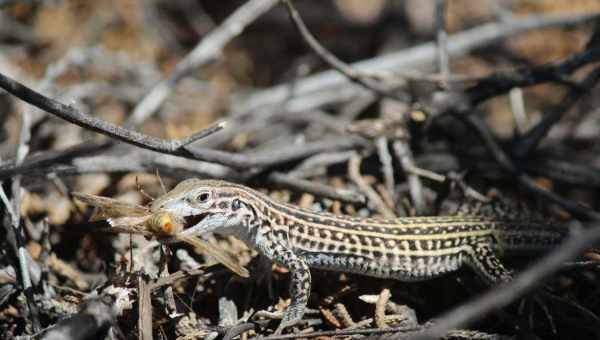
x,y
167,227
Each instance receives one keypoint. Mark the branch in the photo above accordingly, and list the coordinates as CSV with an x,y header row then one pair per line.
x,y
86,121
177,147
502,82
209,48
533,137
315,188
442,39
507,165
330,86
335,63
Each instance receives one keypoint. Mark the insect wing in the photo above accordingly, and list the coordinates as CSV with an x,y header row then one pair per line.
x,y
210,250
127,230
107,208
130,224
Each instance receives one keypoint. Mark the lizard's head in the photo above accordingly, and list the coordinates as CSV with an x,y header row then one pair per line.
x,y
205,205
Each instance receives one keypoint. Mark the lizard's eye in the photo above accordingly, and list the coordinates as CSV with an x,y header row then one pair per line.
x,y
203,197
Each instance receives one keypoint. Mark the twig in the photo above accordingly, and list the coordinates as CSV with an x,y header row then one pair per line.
x,y
426,174
317,165
442,40
341,332
386,165
178,147
507,293
318,189
506,164
13,209
330,86
334,62
179,275
532,138
237,330
500,83
517,105
330,318
144,308
382,301
356,177
138,160
344,315
278,156
48,158
70,114
209,48
415,186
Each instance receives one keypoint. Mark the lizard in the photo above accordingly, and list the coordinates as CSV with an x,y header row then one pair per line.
x,y
405,249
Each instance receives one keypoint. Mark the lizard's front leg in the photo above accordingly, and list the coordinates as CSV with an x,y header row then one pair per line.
x,y
279,252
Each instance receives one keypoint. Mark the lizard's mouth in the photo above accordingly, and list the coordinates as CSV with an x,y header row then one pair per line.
x,y
192,220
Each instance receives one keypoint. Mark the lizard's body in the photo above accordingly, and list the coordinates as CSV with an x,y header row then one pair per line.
x,y
407,249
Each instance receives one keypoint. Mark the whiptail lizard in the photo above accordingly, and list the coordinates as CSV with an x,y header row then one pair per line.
x,y
406,249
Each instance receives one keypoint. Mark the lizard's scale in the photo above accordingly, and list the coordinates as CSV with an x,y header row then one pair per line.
x,y
407,249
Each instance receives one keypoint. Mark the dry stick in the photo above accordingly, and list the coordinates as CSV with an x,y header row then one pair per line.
x,y
237,330
506,164
380,305
532,138
517,108
404,154
137,160
21,254
386,165
143,160
442,40
185,168
208,49
71,162
25,258
178,147
356,177
72,115
505,294
502,82
331,86
47,158
344,315
341,332
317,165
278,156
144,309
334,61
316,188
13,208
178,275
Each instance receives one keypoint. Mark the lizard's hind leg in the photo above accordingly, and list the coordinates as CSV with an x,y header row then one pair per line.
x,y
486,263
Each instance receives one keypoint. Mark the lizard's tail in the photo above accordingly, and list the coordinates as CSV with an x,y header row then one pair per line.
x,y
531,237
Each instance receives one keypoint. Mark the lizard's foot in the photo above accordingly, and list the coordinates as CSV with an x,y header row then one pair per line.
x,y
284,324
286,320
268,315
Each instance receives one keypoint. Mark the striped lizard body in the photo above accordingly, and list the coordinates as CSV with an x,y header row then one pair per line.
x,y
406,249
